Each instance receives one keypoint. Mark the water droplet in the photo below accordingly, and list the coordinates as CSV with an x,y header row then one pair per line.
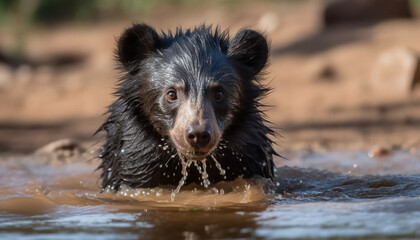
x,y
203,171
122,151
222,171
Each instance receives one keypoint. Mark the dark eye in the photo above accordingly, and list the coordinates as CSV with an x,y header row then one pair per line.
x,y
171,95
218,95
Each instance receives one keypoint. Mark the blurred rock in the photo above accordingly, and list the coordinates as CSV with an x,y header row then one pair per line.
x,y
6,75
378,152
365,11
44,74
396,72
61,150
268,22
24,74
322,70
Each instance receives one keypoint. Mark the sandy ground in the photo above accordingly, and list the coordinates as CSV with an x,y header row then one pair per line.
x,y
311,109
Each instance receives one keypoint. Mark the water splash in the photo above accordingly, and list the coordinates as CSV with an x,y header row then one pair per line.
x,y
222,171
203,172
185,164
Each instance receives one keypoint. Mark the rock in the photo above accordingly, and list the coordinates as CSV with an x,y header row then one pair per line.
x,y
378,152
24,74
61,150
6,75
268,22
365,11
396,72
321,70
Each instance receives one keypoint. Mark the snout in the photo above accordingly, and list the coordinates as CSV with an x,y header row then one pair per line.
x,y
198,135
195,133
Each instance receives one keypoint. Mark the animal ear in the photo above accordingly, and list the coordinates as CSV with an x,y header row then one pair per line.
x,y
135,43
249,48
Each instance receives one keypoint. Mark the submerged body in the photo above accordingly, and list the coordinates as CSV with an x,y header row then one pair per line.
x,y
187,110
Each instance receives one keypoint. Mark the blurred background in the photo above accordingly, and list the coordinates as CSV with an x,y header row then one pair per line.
x,y
345,73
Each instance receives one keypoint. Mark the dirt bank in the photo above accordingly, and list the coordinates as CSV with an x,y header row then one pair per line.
x,y
322,98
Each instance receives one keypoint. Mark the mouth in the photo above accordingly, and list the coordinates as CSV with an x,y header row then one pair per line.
x,y
192,153
195,155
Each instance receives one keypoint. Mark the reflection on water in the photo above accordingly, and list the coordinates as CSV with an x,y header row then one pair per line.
x,y
342,195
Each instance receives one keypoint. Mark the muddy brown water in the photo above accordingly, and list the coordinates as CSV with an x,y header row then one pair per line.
x,y
335,195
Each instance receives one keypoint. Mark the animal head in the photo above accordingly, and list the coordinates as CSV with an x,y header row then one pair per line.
x,y
191,86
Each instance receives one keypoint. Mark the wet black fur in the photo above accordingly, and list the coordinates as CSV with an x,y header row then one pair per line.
x,y
138,152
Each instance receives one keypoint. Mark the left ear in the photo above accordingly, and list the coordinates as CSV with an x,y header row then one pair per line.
x,y
250,49
136,43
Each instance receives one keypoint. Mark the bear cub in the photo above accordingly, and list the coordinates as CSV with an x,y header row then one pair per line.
x,y
187,110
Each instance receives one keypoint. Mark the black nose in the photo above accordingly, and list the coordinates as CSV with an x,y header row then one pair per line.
x,y
198,135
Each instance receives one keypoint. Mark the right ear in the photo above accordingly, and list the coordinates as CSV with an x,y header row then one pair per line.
x,y
136,43
250,48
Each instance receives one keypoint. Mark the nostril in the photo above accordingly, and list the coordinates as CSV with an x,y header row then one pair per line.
x,y
205,138
192,138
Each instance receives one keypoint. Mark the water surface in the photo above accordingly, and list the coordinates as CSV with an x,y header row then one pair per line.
x,y
335,195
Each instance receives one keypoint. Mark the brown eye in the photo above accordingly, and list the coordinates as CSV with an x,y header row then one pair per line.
x,y
218,95
171,95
